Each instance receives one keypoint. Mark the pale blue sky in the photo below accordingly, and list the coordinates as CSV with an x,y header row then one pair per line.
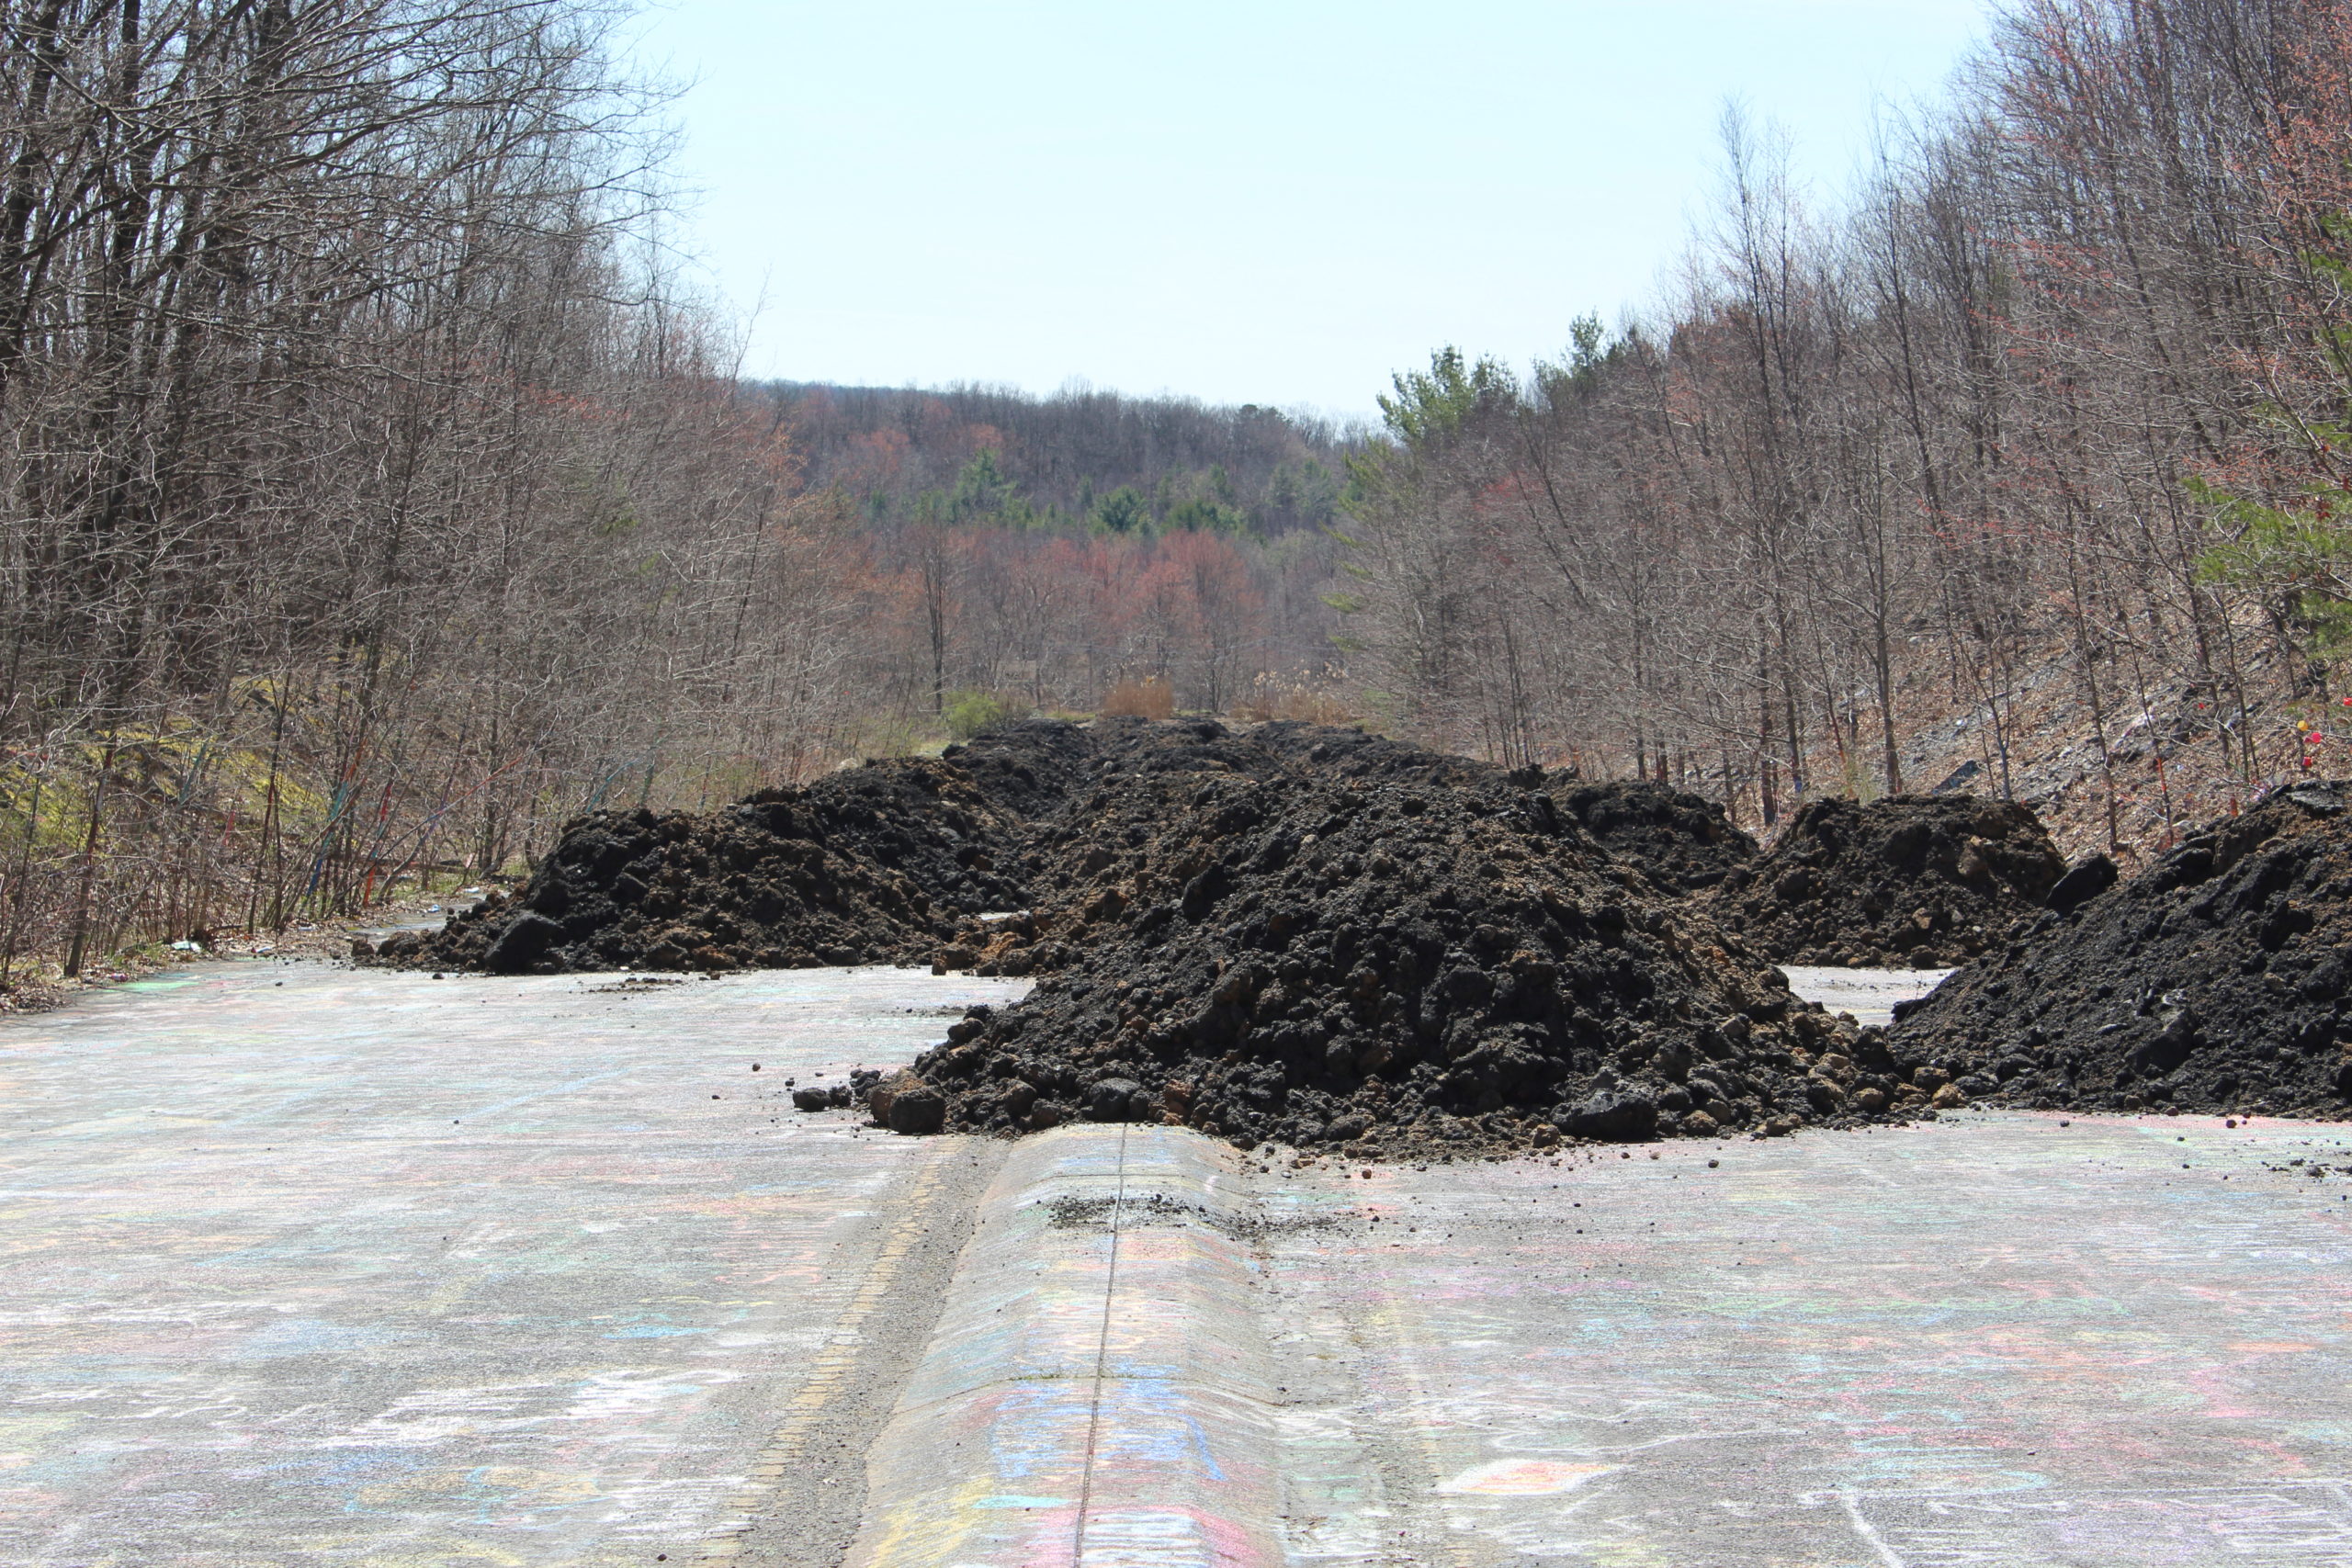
x,y
1277,202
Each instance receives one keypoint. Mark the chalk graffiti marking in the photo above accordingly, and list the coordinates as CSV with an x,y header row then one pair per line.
x,y
2281,1524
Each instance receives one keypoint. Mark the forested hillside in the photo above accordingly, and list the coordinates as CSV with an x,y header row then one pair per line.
x,y
2026,460
1079,456
365,503
1045,549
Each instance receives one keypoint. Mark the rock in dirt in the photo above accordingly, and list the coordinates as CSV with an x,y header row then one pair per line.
x,y
2214,981
2082,883
1907,882
919,1110
1399,951
904,1103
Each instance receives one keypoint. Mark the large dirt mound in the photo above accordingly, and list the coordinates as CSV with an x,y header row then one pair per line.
x,y
1293,932
876,865
2214,981
1911,880
1312,959
1684,841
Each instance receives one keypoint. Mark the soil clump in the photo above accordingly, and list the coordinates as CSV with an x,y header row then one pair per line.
x,y
2215,981
1907,882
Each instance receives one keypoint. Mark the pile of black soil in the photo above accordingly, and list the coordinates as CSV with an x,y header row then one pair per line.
x,y
875,865
1293,932
1685,842
1908,882
1367,956
2215,981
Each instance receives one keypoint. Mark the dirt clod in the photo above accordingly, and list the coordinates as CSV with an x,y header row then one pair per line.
x,y
1684,843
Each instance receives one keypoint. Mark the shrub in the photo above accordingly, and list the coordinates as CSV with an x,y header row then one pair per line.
x,y
967,713
1273,698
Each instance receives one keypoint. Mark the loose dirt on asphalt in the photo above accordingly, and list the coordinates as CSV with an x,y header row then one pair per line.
x,y
1313,935
1305,934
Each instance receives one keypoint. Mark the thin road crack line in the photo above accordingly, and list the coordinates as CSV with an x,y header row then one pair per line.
x,y
1102,1362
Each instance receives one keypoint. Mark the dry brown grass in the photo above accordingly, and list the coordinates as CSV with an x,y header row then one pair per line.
x,y
1272,697
1150,697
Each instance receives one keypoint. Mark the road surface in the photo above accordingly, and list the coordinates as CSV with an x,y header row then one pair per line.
x,y
314,1267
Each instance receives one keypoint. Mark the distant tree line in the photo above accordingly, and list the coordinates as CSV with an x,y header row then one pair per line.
x,y
1045,549
2060,392
1076,458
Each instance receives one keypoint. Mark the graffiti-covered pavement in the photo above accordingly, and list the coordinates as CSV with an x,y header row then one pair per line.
x,y
307,1265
